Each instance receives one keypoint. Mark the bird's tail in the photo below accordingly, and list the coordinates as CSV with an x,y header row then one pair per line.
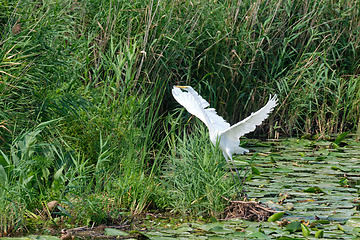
x,y
240,150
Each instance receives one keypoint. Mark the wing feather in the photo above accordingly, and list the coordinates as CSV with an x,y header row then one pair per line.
x,y
249,124
217,121
197,106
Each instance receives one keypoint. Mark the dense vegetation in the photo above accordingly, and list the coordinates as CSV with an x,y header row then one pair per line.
x,y
87,118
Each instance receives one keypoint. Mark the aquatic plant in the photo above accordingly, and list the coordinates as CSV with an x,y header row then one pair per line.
x,y
86,114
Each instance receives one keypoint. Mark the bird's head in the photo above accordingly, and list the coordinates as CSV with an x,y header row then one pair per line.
x,y
186,88
183,87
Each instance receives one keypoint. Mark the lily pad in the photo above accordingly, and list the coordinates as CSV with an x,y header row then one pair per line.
x,y
283,170
220,230
275,216
32,237
353,222
293,226
314,190
258,235
114,232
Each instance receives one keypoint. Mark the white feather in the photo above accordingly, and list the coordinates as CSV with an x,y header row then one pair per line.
x,y
197,106
249,124
219,129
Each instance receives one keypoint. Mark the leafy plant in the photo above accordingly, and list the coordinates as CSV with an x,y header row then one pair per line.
x,y
86,111
197,176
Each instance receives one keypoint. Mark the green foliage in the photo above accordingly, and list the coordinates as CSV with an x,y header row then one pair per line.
x,y
84,96
275,216
239,53
294,226
196,175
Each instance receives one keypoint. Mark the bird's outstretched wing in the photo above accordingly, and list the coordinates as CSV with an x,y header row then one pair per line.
x,y
249,124
196,105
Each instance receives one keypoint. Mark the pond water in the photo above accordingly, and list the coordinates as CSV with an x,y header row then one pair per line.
x,y
316,184
314,181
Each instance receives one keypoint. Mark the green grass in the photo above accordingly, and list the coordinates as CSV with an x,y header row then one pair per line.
x,y
195,176
87,117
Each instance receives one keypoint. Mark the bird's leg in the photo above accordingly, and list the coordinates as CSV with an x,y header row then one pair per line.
x,y
233,177
232,174
238,174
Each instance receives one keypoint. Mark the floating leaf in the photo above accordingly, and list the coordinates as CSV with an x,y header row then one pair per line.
x,y
115,232
309,158
211,238
340,216
314,190
293,226
319,234
322,221
220,230
258,235
320,158
289,238
283,170
305,230
32,237
43,237
353,222
144,236
207,227
275,216
180,231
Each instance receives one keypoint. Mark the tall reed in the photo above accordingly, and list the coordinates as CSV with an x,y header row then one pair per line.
x,y
95,77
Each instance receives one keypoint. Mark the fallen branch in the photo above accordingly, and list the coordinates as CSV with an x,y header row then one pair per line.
x,y
248,210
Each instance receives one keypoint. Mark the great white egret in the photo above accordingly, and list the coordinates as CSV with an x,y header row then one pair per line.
x,y
220,130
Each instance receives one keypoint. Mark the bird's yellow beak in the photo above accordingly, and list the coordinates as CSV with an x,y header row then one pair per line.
x,y
183,87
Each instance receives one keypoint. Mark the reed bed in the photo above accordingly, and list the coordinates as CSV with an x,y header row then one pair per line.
x,y
87,118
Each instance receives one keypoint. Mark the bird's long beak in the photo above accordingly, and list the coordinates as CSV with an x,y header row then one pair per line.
x,y
183,87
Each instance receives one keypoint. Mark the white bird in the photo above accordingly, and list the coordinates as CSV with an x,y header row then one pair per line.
x,y
220,130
